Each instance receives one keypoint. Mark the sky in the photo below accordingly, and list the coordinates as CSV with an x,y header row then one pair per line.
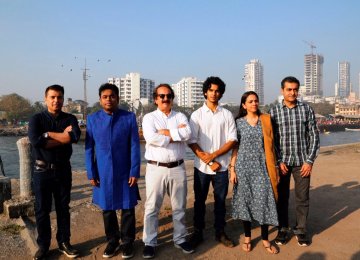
x,y
46,42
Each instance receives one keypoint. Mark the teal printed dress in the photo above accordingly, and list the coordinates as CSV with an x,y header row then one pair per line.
x,y
253,198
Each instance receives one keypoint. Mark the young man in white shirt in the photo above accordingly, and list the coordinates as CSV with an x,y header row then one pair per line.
x,y
213,136
166,132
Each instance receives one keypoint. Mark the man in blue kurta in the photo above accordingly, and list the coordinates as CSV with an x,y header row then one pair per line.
x,y
112,151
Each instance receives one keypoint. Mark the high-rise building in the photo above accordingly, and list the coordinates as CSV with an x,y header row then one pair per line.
x,y
188,92
254,79
132,88
336,89
343,79
313,74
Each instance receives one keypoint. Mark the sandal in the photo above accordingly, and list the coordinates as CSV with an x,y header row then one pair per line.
x,y
246,246
271,249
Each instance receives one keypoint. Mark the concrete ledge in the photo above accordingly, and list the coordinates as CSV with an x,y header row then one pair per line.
x,y
17,207
28,233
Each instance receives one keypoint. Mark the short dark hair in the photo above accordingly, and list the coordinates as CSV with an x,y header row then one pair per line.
x,y
163,85
242,111
216,81
110,86
55,88
290,79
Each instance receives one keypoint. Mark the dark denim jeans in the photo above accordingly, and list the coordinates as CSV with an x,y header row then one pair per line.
x,y
127,233
49,184
302,187
220,183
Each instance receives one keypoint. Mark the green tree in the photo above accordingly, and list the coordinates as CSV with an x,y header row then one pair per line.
x,y
323,108
123,105
17,107
233,109
96,107
149,108
38,107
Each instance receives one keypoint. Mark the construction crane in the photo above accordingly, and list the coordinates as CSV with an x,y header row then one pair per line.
x,y
312,46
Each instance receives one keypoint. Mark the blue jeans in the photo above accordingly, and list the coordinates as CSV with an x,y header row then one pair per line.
x,y
220,183
49,184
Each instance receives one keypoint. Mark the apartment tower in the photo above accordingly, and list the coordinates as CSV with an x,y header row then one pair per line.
x,y
254,79
343,85
188,92
313,74
132,87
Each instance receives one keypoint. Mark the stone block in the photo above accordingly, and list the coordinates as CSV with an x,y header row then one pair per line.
x,y
5,191
15,208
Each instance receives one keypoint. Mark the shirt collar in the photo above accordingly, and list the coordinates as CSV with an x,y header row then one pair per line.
x,y
159,112
298,103
113,113
50,115
207,109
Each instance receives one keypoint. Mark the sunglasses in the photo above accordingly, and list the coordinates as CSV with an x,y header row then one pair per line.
x,y
162,96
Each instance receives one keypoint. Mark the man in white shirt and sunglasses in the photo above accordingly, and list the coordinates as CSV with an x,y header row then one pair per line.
x,y
166,133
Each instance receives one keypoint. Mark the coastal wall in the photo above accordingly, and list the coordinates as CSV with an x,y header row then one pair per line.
x,y
337,128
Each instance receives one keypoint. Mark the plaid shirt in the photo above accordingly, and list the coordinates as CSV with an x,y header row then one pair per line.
x,y
296,134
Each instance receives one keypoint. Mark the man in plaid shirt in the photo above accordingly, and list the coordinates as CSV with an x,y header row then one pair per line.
x,y
297,144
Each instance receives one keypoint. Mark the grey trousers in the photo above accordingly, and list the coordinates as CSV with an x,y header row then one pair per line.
x,y
302,187
160,180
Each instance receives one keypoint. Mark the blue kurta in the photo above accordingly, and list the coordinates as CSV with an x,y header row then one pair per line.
x,y
112,150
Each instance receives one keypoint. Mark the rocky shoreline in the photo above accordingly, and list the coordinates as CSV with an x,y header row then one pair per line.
x,y
14,131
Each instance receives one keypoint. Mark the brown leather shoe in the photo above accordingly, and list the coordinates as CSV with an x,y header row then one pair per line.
x,y
223,239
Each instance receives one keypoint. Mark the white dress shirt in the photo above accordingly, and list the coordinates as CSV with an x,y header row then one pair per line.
x,y
158,147
211,130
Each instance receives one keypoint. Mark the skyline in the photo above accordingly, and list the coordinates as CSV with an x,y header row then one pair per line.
x,y
166,41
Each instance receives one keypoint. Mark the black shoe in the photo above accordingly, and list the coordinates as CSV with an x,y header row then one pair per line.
x,y
149,252
223,239
196,238
128,251
302,240
111,249
40,254
186,247
68,250
281,238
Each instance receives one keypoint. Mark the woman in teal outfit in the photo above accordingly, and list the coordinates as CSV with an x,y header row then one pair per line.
x,y
251,171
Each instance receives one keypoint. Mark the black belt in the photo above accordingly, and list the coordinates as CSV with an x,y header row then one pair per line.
x,y
46,166
168,165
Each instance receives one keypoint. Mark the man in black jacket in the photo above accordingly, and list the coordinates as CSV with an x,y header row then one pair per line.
x,y
51,133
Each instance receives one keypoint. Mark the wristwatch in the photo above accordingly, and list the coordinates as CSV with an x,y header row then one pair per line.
x,y
46,135
210,163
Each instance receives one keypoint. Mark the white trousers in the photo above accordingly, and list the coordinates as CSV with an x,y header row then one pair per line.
x,y
173,181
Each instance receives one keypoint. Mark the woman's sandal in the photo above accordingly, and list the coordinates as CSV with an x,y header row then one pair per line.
x,y
271,249
246,246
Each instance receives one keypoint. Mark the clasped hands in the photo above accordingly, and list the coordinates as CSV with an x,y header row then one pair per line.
x,y
209,158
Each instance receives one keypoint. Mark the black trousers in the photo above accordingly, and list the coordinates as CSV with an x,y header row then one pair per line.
x,y
127,232
264,230
302,187
49,184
